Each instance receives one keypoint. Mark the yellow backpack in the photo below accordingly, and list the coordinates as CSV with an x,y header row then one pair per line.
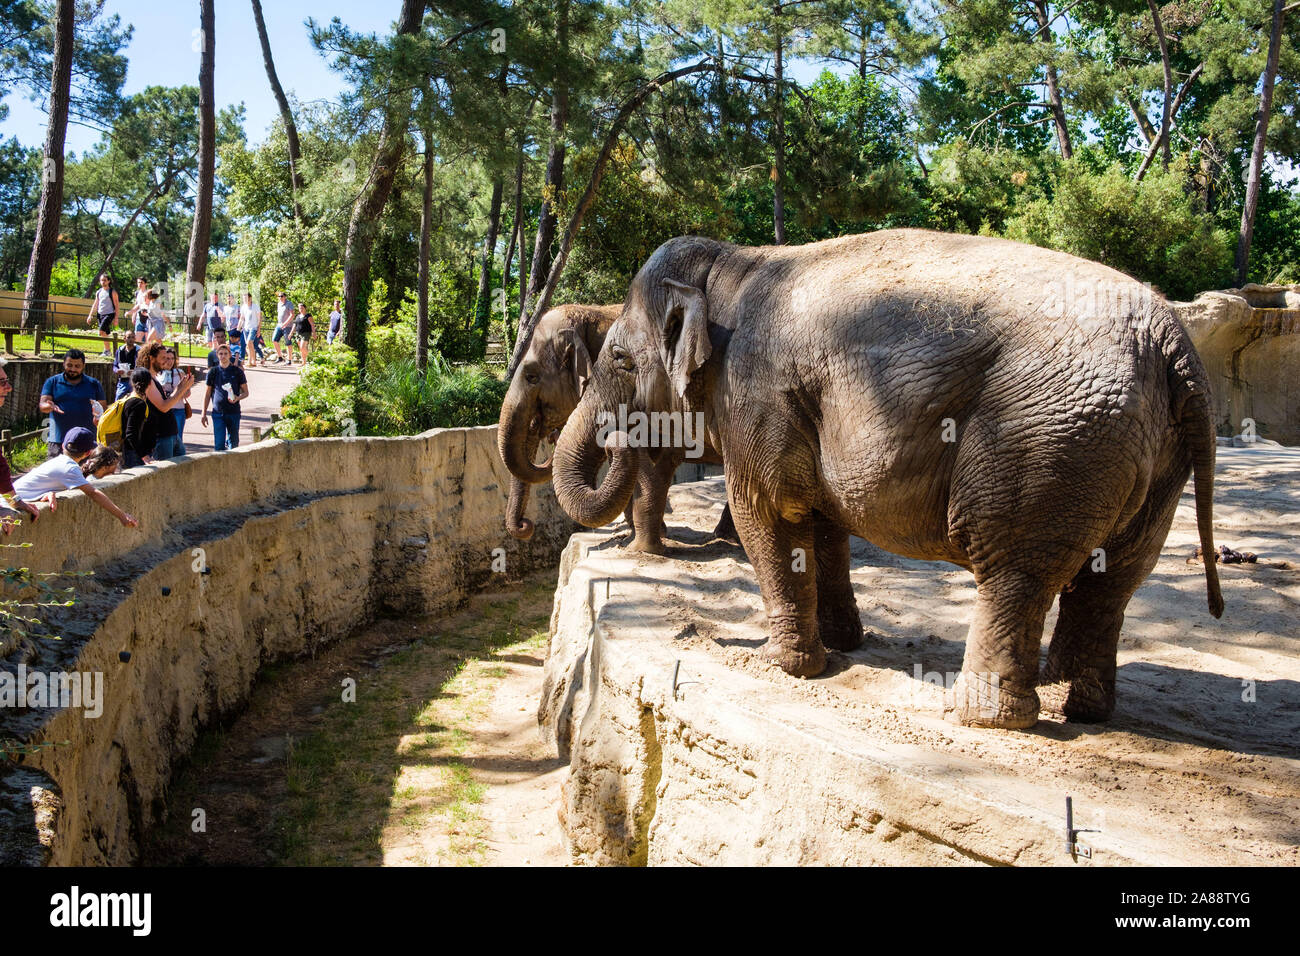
x,y
109,431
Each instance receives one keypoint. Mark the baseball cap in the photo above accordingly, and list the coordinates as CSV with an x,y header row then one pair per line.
x,y
79,440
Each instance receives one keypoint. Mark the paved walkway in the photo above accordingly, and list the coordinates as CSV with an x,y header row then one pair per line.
x,y
266,387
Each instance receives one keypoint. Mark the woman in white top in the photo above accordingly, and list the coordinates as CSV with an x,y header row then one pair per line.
x,y
105,309
141,305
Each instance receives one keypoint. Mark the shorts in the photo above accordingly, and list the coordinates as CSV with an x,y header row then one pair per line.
x,y
140,327
158,327
280,335
106,321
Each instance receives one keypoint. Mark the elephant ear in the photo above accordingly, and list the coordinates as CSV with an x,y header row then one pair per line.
x,y
685,342
574,357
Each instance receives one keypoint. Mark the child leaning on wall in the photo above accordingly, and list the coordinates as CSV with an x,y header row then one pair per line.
x,y
63,473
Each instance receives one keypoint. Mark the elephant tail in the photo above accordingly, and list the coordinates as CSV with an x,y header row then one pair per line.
x,y
1190,391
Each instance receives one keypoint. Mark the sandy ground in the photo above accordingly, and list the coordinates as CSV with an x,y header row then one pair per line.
x,y
523,775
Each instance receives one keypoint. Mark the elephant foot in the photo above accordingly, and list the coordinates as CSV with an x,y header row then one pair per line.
x,y
978,699
1086,698
798,657
647,545
842,631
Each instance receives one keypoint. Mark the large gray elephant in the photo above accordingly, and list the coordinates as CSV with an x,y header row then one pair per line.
x,y
543,393
1022,413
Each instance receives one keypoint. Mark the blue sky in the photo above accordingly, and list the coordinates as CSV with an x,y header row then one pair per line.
x,y
161,53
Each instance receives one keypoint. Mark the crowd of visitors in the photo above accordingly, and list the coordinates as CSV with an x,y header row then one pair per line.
x,y
89,436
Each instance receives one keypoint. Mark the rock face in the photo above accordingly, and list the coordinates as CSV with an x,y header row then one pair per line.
x,y
244,558
684,748
1249,339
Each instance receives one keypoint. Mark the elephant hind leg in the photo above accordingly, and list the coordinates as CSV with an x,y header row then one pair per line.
x,y
1078,679
996,685
838,620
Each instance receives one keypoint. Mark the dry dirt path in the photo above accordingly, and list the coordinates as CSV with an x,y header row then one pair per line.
x,y
437,762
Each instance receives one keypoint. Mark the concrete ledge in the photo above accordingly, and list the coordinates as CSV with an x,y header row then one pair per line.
x,y
741,765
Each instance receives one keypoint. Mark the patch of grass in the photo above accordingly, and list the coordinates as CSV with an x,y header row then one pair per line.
x,y
390,770
28,455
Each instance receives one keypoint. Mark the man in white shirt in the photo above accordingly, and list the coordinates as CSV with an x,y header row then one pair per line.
x,y
63,473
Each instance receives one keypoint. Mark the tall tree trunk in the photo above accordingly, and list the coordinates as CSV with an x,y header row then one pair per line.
x,y
45,246
1165,114
290,127
1257,153
547,219
482,301
1053,88
589,197
778,171
159,189
1155,140
196,266
422,282
516,236
369,205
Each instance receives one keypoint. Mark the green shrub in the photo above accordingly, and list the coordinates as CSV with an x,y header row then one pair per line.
x,y
392,398
325,398
1151,230
402,401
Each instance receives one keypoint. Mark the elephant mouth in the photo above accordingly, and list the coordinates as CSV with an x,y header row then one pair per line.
x,y
548,430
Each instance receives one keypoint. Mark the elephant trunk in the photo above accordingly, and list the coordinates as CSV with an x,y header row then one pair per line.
x,y
518,433
518,526
577,459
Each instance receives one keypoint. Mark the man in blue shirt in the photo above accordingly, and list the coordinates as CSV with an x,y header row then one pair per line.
x,y
66,399
227,387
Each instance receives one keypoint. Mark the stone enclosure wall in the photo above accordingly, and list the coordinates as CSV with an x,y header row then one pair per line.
x,y
1249,339
241,559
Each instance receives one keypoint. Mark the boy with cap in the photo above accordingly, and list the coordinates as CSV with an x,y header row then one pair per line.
x,y
64,473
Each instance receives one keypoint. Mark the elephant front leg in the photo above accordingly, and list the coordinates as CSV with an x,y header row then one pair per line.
x,y
783,556
653,482
838,620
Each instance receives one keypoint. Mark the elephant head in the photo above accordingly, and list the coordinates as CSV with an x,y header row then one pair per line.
x,y
543,393
648,363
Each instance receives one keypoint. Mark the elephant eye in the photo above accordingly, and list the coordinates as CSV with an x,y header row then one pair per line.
x,y
532,378
622,360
